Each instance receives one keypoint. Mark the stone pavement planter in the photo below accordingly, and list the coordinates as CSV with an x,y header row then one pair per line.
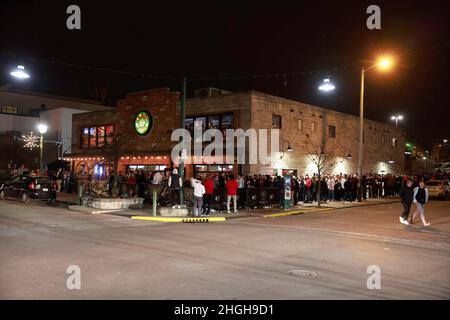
x,y
112,203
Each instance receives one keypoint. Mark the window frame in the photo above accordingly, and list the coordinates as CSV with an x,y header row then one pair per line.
x,y
89,136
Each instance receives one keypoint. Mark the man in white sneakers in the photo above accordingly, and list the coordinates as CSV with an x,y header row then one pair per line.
x,y
406,195
199,191
420,198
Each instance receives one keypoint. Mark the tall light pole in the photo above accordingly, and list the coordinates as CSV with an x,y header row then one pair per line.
x,y
396,119
182,125
383,64
42,130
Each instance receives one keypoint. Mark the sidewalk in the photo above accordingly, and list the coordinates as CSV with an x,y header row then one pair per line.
x,y
276,212
146,211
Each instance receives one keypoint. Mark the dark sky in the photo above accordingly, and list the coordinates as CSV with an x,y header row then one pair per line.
x,y
226,38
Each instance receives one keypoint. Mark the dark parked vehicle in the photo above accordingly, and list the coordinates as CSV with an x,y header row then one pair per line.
x,y
25,187
4,176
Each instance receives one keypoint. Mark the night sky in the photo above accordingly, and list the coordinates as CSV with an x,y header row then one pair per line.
x,y
211,39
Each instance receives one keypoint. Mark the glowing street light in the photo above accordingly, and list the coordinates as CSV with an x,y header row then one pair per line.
x,y
42,128
396,119
384,63
327,85
20,73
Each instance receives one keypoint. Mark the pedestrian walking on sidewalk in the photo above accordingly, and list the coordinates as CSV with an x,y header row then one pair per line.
x,y
406,195
199,191
231,187
420,197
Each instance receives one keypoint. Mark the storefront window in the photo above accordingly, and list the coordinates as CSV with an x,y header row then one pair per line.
x,y
97,137
227,122
214,122
109,134
202,169
85,138
92,137
100,136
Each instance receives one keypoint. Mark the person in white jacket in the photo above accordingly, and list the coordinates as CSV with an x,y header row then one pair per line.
x,y
199,191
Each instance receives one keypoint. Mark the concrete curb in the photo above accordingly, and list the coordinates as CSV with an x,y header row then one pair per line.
x,y
179,219
324,208
92,210
296,212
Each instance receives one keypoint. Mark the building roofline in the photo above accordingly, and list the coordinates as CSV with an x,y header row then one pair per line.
x,y
9,89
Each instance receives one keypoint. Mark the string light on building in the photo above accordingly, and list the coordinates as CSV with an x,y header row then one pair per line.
x,y
31,141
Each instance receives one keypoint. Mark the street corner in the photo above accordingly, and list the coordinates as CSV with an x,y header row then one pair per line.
x,y
179,219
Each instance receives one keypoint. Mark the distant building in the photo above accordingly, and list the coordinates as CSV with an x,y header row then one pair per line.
x,y
106,140
22,110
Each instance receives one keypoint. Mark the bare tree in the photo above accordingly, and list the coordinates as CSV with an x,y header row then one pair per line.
x,y
322,159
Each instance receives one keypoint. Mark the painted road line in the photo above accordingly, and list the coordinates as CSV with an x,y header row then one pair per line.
x,y
291,213
178,219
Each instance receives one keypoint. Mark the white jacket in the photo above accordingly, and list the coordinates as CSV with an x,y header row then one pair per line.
x,y
199,189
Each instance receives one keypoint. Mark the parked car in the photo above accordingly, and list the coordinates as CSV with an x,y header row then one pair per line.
x,y
438,188
4,176
25,187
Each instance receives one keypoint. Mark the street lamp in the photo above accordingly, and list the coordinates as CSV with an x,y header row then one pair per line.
x,y
396,119
42,130
326,85
384,64
289,148
20,73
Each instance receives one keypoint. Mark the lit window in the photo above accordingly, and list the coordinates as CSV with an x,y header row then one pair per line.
x,y
394,142
10,109
299,124
100,136
92,137
85,138
109,134
313,126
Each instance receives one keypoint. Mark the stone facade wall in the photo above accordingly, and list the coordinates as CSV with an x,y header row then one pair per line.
x,y
238,103
254,110
299,119
250,110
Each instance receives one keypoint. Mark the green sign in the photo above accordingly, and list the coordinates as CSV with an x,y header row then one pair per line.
x,y
143,123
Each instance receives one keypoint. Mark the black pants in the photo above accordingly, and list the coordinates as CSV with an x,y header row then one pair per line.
x,y
175,196
406,208
207,198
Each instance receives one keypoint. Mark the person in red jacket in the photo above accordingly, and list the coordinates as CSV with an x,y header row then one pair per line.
x,y
231,187
208,196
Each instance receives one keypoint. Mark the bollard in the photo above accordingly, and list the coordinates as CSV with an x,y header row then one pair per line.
x,y
80,192
154,202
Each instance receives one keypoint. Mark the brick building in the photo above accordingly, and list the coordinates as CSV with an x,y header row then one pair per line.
x,y
111,138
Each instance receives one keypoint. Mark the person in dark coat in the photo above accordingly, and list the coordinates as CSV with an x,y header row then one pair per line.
x,y
406,195
348,189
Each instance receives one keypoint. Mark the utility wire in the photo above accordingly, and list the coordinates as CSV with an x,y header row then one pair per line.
x,y
215,78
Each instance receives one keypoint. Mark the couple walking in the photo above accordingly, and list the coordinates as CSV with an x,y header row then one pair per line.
x,y
419,196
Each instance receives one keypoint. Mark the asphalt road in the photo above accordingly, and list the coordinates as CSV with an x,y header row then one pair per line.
x,y
247,258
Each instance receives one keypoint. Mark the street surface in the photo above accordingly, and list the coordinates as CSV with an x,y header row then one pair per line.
x,y
247,258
